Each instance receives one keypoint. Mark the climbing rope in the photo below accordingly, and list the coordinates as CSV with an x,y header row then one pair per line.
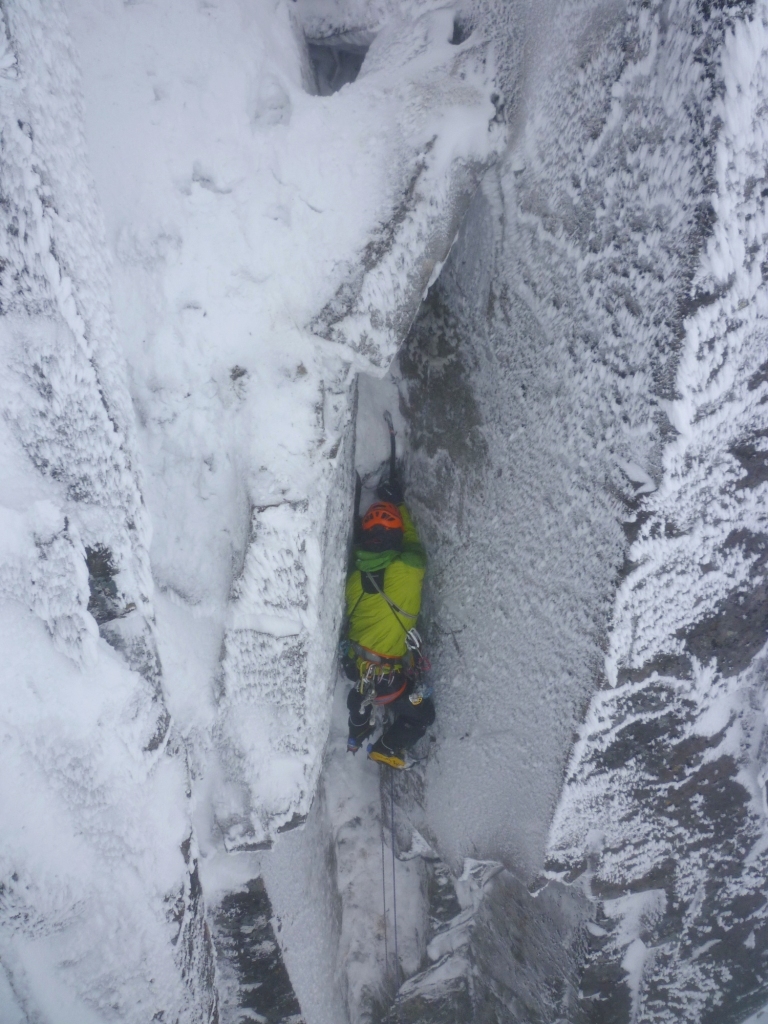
x,y
394,891
384,898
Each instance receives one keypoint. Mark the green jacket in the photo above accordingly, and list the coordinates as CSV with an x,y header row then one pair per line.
x,y
373,623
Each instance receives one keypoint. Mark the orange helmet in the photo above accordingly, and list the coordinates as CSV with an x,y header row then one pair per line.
x,y
385,514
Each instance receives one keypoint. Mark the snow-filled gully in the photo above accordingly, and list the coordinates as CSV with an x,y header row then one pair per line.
x,y
536,234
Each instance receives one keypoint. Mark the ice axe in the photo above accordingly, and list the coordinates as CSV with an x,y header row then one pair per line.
x,y
358,492
392,472
392,449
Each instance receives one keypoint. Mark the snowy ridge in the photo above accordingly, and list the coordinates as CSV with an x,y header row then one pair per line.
x,y
275,704
664,807
64,396
99,911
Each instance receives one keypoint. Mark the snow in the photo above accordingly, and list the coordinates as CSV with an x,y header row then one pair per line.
x,y
9,1006
234,241
93,800
207,273
696,556
180,216
88,824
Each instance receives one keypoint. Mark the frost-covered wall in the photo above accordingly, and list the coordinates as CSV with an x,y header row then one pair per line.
x,y
665,803
592,357
100,906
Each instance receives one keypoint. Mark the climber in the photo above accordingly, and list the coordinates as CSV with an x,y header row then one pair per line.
x,y
382,649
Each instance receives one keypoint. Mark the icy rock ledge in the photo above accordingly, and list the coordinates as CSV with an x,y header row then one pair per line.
x,y
449,131
278,664
506,956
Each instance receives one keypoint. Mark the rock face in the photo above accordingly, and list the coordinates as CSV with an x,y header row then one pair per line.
x,y
664,806
96,791
679,874
253,982
586,393
504,955
601,319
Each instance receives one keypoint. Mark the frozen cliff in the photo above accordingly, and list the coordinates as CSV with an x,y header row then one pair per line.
x,y
233,233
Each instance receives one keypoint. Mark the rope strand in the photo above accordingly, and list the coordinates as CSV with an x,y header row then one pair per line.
x,y
394,891
384,898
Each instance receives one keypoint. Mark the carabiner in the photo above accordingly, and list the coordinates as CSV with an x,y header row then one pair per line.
x,y
413,639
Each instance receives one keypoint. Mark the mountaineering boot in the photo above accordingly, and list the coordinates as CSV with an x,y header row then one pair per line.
x,y
357,737
384,755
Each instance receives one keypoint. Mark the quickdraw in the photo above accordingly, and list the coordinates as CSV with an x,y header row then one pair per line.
x,y
373,677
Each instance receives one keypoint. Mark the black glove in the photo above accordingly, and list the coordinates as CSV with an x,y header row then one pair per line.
x,y
390,491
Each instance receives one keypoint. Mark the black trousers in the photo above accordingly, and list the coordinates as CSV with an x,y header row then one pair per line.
x,y
410,721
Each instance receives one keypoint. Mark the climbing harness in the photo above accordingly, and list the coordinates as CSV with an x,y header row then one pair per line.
x,y
383,673
371,678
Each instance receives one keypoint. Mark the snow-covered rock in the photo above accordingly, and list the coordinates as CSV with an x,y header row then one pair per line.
x,y
240,209
506,956
664,805
588,372
101,913
231,205
447,129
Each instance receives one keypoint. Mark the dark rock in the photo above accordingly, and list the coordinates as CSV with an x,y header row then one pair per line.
x,y
516,959
296,822
753,457
451,1004
250,963
738,628
683,791
192,940
104,601
441,894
